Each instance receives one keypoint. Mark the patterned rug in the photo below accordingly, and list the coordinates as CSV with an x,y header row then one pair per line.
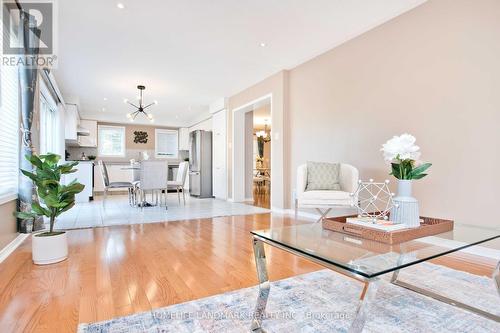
x,y
325,301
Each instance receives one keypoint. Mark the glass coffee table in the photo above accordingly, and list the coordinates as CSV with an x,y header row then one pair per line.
x,y
365,260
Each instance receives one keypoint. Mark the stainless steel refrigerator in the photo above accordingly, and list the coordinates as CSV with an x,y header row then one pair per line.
x,y
200,164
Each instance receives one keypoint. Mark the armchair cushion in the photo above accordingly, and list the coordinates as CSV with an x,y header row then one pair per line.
x,y
323,176
325,198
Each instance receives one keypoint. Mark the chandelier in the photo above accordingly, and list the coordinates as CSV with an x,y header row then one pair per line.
x,y
264,135
141,108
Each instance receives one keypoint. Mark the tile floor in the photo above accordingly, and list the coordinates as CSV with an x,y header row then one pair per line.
x,y
117,211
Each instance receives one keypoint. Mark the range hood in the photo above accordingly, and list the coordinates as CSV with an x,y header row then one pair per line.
x,y
80,131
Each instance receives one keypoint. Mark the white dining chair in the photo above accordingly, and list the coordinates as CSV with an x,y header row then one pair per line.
x,y
110,185
180,180
153,177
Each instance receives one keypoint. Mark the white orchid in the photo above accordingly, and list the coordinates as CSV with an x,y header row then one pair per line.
x,y
401,148
403,155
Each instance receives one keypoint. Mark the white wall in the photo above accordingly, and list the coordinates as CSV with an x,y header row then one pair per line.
x,y
433,72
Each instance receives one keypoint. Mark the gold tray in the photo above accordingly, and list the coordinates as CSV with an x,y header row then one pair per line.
x,y
430,226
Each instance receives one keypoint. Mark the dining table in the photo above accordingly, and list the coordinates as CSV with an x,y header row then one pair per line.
x,y
137,168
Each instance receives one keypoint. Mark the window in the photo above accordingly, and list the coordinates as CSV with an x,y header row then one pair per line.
x,y
9,132
111,140
166,143
48,121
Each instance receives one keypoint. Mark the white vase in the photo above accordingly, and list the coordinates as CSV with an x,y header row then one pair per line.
x,y
405,210
49,249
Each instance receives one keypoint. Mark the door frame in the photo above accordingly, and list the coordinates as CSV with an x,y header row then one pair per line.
x,y
238,146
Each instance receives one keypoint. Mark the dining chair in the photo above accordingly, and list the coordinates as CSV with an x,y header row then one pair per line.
x,y
180,180
153,177
110,185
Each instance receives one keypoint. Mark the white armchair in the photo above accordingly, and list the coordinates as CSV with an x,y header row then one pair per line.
x,y
325,200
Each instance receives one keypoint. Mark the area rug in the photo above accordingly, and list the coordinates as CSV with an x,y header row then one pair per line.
x,y
325,301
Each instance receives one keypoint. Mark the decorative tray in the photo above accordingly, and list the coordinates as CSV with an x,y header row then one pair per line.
x,y
430,226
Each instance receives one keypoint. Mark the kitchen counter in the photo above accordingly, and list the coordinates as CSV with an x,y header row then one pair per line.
x,y
118,172
82,161
176,163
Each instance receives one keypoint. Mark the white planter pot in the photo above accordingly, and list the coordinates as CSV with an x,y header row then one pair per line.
x,y
49,249
405,210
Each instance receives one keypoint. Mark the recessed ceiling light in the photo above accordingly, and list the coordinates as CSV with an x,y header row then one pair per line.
x,y
263,44
103,109
176,117
120,5
105,98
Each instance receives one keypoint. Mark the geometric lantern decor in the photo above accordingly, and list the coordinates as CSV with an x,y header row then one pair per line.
x,y
374,200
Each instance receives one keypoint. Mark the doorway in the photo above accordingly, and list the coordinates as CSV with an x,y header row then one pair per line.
x,y
252,154
261,156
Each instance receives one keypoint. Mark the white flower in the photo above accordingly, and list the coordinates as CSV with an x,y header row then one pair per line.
x,y
401,147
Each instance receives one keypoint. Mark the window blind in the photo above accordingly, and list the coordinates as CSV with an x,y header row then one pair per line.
x,y
9,131
166,143
48,125
111,140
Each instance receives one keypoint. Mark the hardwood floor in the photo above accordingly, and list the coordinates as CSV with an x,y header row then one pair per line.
x,y
117,271
261,198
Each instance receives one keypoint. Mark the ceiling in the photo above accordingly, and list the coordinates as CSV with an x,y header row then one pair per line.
x,y
189,53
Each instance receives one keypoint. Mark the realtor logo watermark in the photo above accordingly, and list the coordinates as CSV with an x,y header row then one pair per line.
x,y
35,46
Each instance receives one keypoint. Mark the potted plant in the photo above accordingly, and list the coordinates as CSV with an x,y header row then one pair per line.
x,y
55,198
403,155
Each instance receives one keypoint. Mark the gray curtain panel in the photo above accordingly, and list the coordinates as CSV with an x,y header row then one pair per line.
x,y
27,83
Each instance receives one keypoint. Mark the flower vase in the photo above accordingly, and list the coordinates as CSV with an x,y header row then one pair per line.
x,y
405,210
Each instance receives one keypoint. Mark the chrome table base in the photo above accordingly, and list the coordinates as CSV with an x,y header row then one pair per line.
x,y
394,280
264,285
368,294
446,300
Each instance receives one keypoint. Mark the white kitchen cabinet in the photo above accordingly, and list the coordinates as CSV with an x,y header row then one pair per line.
x,y
183,138
219,160
84,176
71,120
90,140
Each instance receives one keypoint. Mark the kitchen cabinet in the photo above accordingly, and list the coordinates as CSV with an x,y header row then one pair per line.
x,y
90,140
183,138
71,121
84,176
117,174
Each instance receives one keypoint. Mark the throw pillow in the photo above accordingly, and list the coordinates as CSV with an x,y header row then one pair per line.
x,y
323,176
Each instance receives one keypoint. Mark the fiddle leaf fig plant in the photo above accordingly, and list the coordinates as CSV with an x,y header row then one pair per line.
x,y
55,198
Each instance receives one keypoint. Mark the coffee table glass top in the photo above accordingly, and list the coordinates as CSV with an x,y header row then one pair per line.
x,y
367,258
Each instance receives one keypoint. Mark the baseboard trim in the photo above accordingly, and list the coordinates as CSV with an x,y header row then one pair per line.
x,y
9,248
306,215
280,211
